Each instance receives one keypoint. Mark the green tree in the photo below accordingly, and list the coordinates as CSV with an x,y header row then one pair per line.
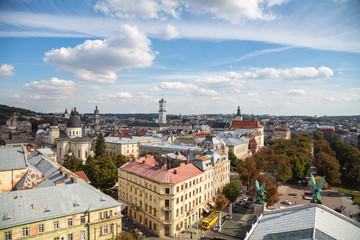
x,y
120,160
100,146
73,164
328,166
221,202
300,165
317,135
104,173
125,236
232,191
321,146
248,171
233,159
279,166
272,194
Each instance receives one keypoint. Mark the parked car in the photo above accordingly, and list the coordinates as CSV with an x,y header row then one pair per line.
x,y
247,205
245,198
237,209
287,202
252,219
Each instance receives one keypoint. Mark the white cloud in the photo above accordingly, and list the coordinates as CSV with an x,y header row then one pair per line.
x,y
253,94
146,9
98,60
234,11
16,98
7,70
55,89
186,87
35,97
230,79
296,73
154,89
120,95
95,101
271,3
170,32
296,92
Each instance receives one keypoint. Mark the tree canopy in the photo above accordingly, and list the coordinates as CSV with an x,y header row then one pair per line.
x,y
272,194
100,146
233,159
73,164
232,190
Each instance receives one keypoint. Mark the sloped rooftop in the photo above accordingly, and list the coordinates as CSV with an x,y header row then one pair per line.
x,y
299,222
27,206
12,158
156,174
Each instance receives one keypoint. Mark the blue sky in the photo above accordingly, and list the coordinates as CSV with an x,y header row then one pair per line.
x,y
283,57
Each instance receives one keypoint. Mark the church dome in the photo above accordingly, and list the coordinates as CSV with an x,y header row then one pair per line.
x,y
54,122
74,122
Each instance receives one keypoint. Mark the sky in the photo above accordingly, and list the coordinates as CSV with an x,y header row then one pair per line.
x,y
278,57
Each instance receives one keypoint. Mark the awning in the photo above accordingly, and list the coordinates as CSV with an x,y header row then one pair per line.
x,y
207,209
211,203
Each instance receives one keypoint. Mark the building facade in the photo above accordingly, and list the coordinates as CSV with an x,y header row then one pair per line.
x,y
162,111
73,143
127,146
168,201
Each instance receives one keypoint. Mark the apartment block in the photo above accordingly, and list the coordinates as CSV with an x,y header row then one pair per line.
x,y
167,201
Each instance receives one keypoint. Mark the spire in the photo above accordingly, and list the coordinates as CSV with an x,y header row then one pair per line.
x,y
238,112
96,108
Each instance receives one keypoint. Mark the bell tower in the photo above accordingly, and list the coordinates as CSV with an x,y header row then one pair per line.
x,y
162,111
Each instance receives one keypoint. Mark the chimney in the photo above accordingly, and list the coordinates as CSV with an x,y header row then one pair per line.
x,y
73,180
67,175
59,182
61,171
175,172
163,167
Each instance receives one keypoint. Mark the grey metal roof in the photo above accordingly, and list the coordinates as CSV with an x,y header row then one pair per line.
x,y
28,206
75,139
297,219
12,158
46,167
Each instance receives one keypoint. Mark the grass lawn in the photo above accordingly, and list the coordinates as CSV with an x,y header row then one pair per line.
x,y
352,191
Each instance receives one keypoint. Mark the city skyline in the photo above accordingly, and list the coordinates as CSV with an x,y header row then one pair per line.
x,y
278,57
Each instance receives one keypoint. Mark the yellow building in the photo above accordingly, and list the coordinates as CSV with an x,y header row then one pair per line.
x,y
54,203
167,201
71,209
127,146
13,166
281,133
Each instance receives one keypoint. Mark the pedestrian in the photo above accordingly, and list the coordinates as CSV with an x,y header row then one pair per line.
x,y
190,235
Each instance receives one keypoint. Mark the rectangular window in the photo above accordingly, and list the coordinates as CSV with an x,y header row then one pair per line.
x,y
25,232
82,219
82,235
106,215
56,238
78,153
106,229
56,225
177,189
167,190
70,236
8,235
70,222
41,228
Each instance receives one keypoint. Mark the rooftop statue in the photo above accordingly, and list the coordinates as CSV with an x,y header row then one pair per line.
x,y
260,193
317,189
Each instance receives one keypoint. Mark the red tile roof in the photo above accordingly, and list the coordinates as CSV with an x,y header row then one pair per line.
x,y
83,176
245,124
155,174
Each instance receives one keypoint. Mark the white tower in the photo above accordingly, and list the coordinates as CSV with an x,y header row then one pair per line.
x,y
162,111
54,131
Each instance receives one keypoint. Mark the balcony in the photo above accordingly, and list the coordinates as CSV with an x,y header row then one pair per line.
x,y
166,208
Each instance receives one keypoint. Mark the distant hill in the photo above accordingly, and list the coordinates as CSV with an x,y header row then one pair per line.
x,y
6,112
